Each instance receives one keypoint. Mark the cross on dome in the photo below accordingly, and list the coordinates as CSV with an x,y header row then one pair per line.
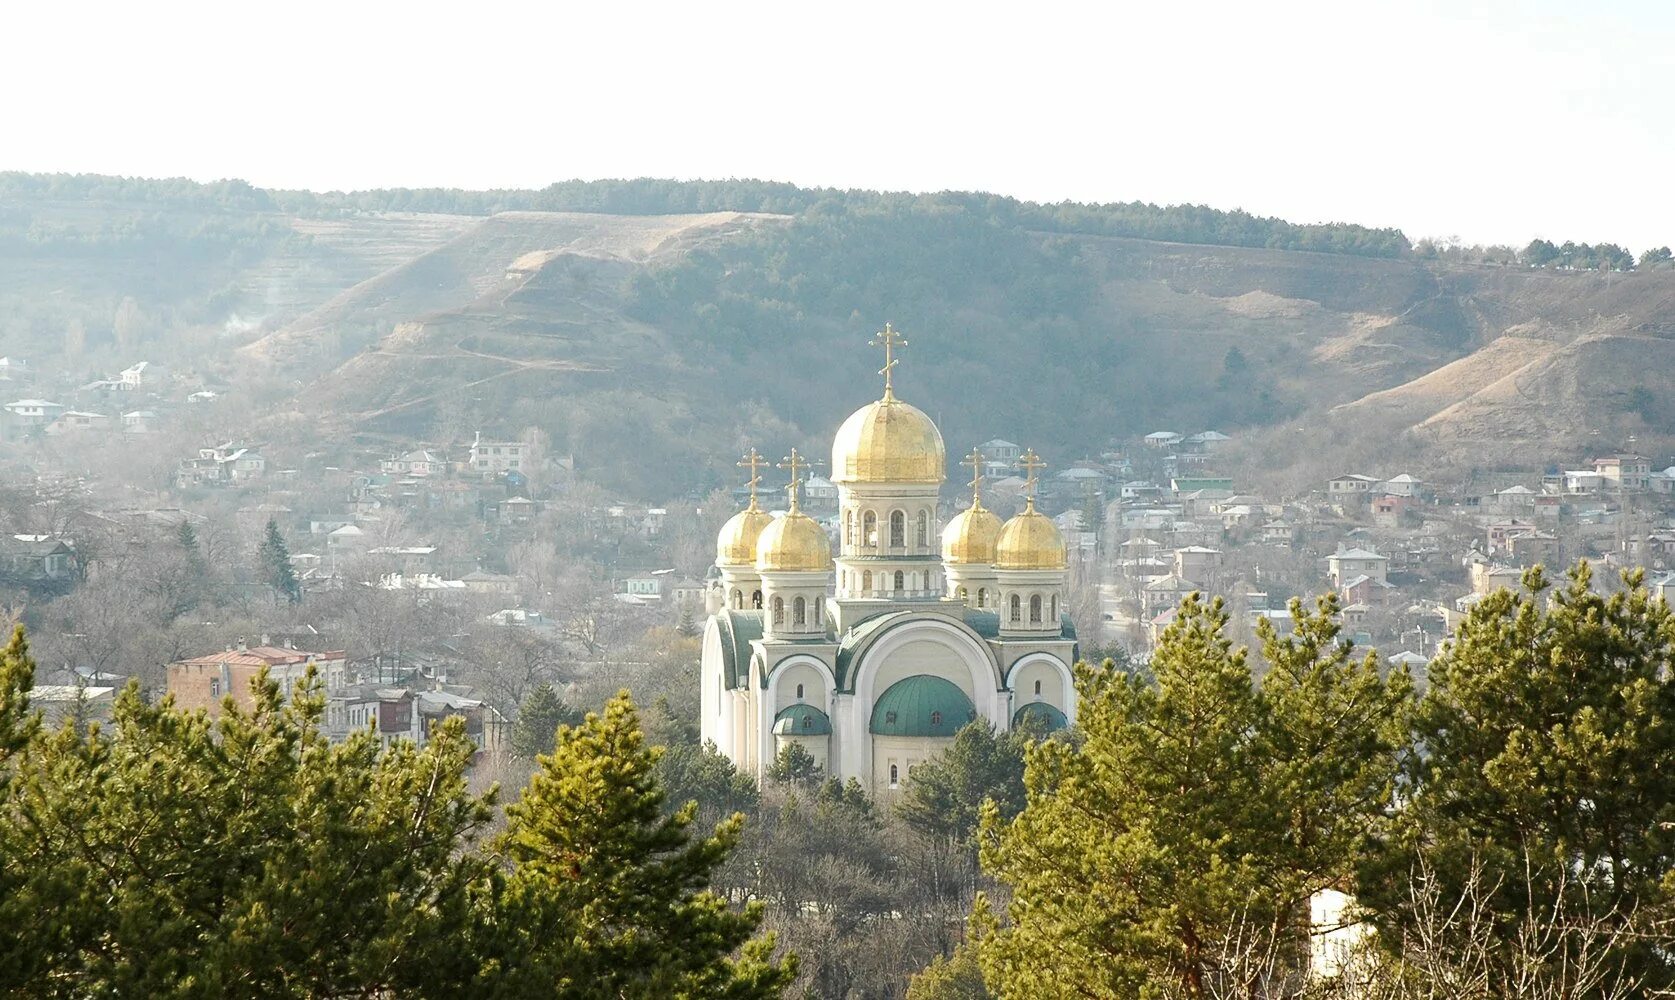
x,y
1032,465
794,463
753,461
889,339
975,460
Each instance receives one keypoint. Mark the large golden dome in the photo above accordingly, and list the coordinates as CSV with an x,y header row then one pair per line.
x,y
735,545
888,441
794,543
971,536
1030,541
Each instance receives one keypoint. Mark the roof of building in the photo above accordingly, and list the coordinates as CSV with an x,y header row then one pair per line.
x,y
1357,554
802,720
921,706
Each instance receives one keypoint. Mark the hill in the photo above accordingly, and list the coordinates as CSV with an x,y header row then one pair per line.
x,y
655,344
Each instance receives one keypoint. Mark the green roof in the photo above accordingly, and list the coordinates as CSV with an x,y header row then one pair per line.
x,y
921,706
802,720
738,628
1040,716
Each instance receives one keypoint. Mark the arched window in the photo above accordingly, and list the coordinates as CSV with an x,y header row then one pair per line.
x,y
936,718
1037,689
1035,609
1017,613
924,528
869,528
866,583
899,581
849,527
756,599
800,690
898,529
982,597
799,612
779,610
960,593
738,600
808,722
895,776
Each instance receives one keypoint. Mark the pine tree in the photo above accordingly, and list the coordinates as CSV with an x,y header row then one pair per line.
x,y
1170,853
606,895
794,765
539,717
1549,768
945,798
275,558
687,627
187,537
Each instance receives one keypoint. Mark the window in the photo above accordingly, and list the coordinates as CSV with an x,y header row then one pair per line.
x,y
756,599
898,529
799,612
849,528
1037,689
1035,609
1017,613
779,610
816,612
738,600
899,581
895,776
800,690
889,718
808,722
936,718
924,528
960,593
982,597
215,687
869,528
866,582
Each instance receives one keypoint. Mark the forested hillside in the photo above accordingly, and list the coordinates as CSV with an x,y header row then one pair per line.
x,y
652,327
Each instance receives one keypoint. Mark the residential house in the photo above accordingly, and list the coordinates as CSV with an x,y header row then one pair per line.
x,y
1624,473
203,681
1162,439
1499,532
74,421
1489,577
422,462
139,422
59,703
142,375
1278,532
1583,481
1001,452
1351,486
1199,563
479,582
1532,547
13,369
1347,563
493,458
35,558
1403,485
29,414
1164,594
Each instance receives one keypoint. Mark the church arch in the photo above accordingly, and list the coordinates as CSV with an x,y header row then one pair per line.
x,y
756,599
779,610
898,529
869,529
1065,697
982,597
1035,609
799,612
1017,608
899,582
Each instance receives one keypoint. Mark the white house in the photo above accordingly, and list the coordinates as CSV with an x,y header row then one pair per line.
x,y
1347,563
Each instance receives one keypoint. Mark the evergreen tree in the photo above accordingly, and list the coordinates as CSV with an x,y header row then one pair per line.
x,y
945,798
539,717
1171,852
606,895
170,855
1549,768
794,765
687,627
187,538
275,559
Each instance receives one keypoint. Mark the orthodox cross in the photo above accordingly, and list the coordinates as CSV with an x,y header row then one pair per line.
x,y
793,463
753,461
889,339
975,460
1032,465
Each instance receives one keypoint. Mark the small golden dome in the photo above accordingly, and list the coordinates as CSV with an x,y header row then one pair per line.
x,y
1030,541
971,536
888,441
794,543
735,545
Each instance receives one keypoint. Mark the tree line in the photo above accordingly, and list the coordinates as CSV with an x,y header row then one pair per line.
x,y
1503,826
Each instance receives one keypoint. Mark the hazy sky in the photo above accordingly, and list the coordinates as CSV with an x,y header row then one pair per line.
x,y
1491,121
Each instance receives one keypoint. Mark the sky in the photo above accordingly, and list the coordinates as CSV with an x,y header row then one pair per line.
x,y
1489,122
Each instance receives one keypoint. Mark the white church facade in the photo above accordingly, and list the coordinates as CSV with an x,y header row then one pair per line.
x,y
872,660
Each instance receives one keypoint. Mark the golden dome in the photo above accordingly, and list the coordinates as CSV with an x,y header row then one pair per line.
x,y
888,441
794,543
1030,541
971,536
735,545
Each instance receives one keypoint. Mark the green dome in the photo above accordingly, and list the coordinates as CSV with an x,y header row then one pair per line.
x,y
802,720
921,706
1040,716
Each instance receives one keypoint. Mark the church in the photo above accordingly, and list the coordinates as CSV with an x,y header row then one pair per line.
x,y
872,660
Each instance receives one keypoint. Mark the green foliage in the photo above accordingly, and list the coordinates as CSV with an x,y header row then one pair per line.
x,y
794,765
946,796
1657,257
605,897
1195,819
693,772
174,856
957,977
17,676
275,560
539,717
1549,764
